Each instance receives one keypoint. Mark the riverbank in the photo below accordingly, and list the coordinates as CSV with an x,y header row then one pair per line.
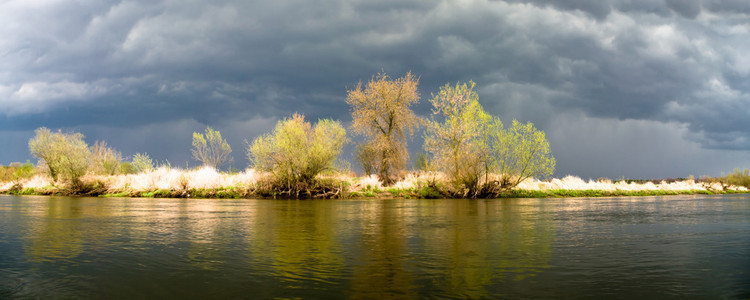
x,y
208,183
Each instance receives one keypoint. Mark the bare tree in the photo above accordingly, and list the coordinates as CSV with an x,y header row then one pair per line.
x,y
382,114
211,149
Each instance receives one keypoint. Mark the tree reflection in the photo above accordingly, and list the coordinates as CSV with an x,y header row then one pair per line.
x,y
57,235
383,268
298,240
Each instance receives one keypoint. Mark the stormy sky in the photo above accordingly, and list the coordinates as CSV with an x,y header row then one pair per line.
x,y
631,88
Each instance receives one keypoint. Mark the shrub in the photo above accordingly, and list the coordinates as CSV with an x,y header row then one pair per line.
x,y
142,162
738,178
295,152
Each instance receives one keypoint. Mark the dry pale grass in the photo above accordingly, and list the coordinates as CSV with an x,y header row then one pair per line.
x,y
576,183
175,179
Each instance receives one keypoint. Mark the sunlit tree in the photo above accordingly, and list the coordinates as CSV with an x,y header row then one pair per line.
x,y
522,152
142,162
455,142
295,152
211,149
381,112
65,155
104,160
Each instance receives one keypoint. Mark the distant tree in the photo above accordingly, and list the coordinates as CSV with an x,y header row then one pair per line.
x,y
65,155
211,149
142,162
422,161
16,171
522,152
382,114
296,152
104,160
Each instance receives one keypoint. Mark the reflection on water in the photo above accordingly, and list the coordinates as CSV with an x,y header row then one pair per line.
x,y
176,248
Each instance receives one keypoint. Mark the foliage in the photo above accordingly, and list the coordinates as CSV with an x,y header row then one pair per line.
x,y
421,162
738,178
16,171
104,160
468,144
295,152
211,149
126,168
367,157
142,162
65,155
381,112
457,144
523,152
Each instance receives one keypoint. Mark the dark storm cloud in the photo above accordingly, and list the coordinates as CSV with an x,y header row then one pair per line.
x,y
112,66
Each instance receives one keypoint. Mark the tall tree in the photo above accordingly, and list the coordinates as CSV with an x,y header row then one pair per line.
x,y
381,112
458,144
211,149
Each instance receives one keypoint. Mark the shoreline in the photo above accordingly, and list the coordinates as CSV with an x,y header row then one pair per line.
x,y
209,183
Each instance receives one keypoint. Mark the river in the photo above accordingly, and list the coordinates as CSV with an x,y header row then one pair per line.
x,y
139,248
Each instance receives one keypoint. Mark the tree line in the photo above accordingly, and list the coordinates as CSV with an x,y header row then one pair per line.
x,y
469,146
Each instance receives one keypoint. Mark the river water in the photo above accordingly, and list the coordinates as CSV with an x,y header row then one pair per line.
x,y
136,248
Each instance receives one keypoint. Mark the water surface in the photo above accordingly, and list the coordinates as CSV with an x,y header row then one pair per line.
x,y
136,248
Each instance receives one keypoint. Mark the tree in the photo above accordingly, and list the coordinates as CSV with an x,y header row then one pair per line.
x,y
142,162
104,160
466,143
211,149
381,113
296,152
65,155
523,152
459,143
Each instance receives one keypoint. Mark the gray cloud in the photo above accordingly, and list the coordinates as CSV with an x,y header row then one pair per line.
x,y
122,69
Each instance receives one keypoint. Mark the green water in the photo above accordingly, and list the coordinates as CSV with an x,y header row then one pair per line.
x,y
136,248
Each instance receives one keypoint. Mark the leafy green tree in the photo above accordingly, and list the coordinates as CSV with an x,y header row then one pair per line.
x,y
211,149
142,162
459,144
104,160
467,144
381,112
522,152
296,152
65,155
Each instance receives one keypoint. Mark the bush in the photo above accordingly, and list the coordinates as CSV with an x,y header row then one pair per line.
x,y
142,162
16,171
738,178
295,152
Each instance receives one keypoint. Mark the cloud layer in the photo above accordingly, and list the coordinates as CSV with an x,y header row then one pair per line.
x,y
117,67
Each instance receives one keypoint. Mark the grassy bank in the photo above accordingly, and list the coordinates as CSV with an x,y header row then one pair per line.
x,y
208,183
